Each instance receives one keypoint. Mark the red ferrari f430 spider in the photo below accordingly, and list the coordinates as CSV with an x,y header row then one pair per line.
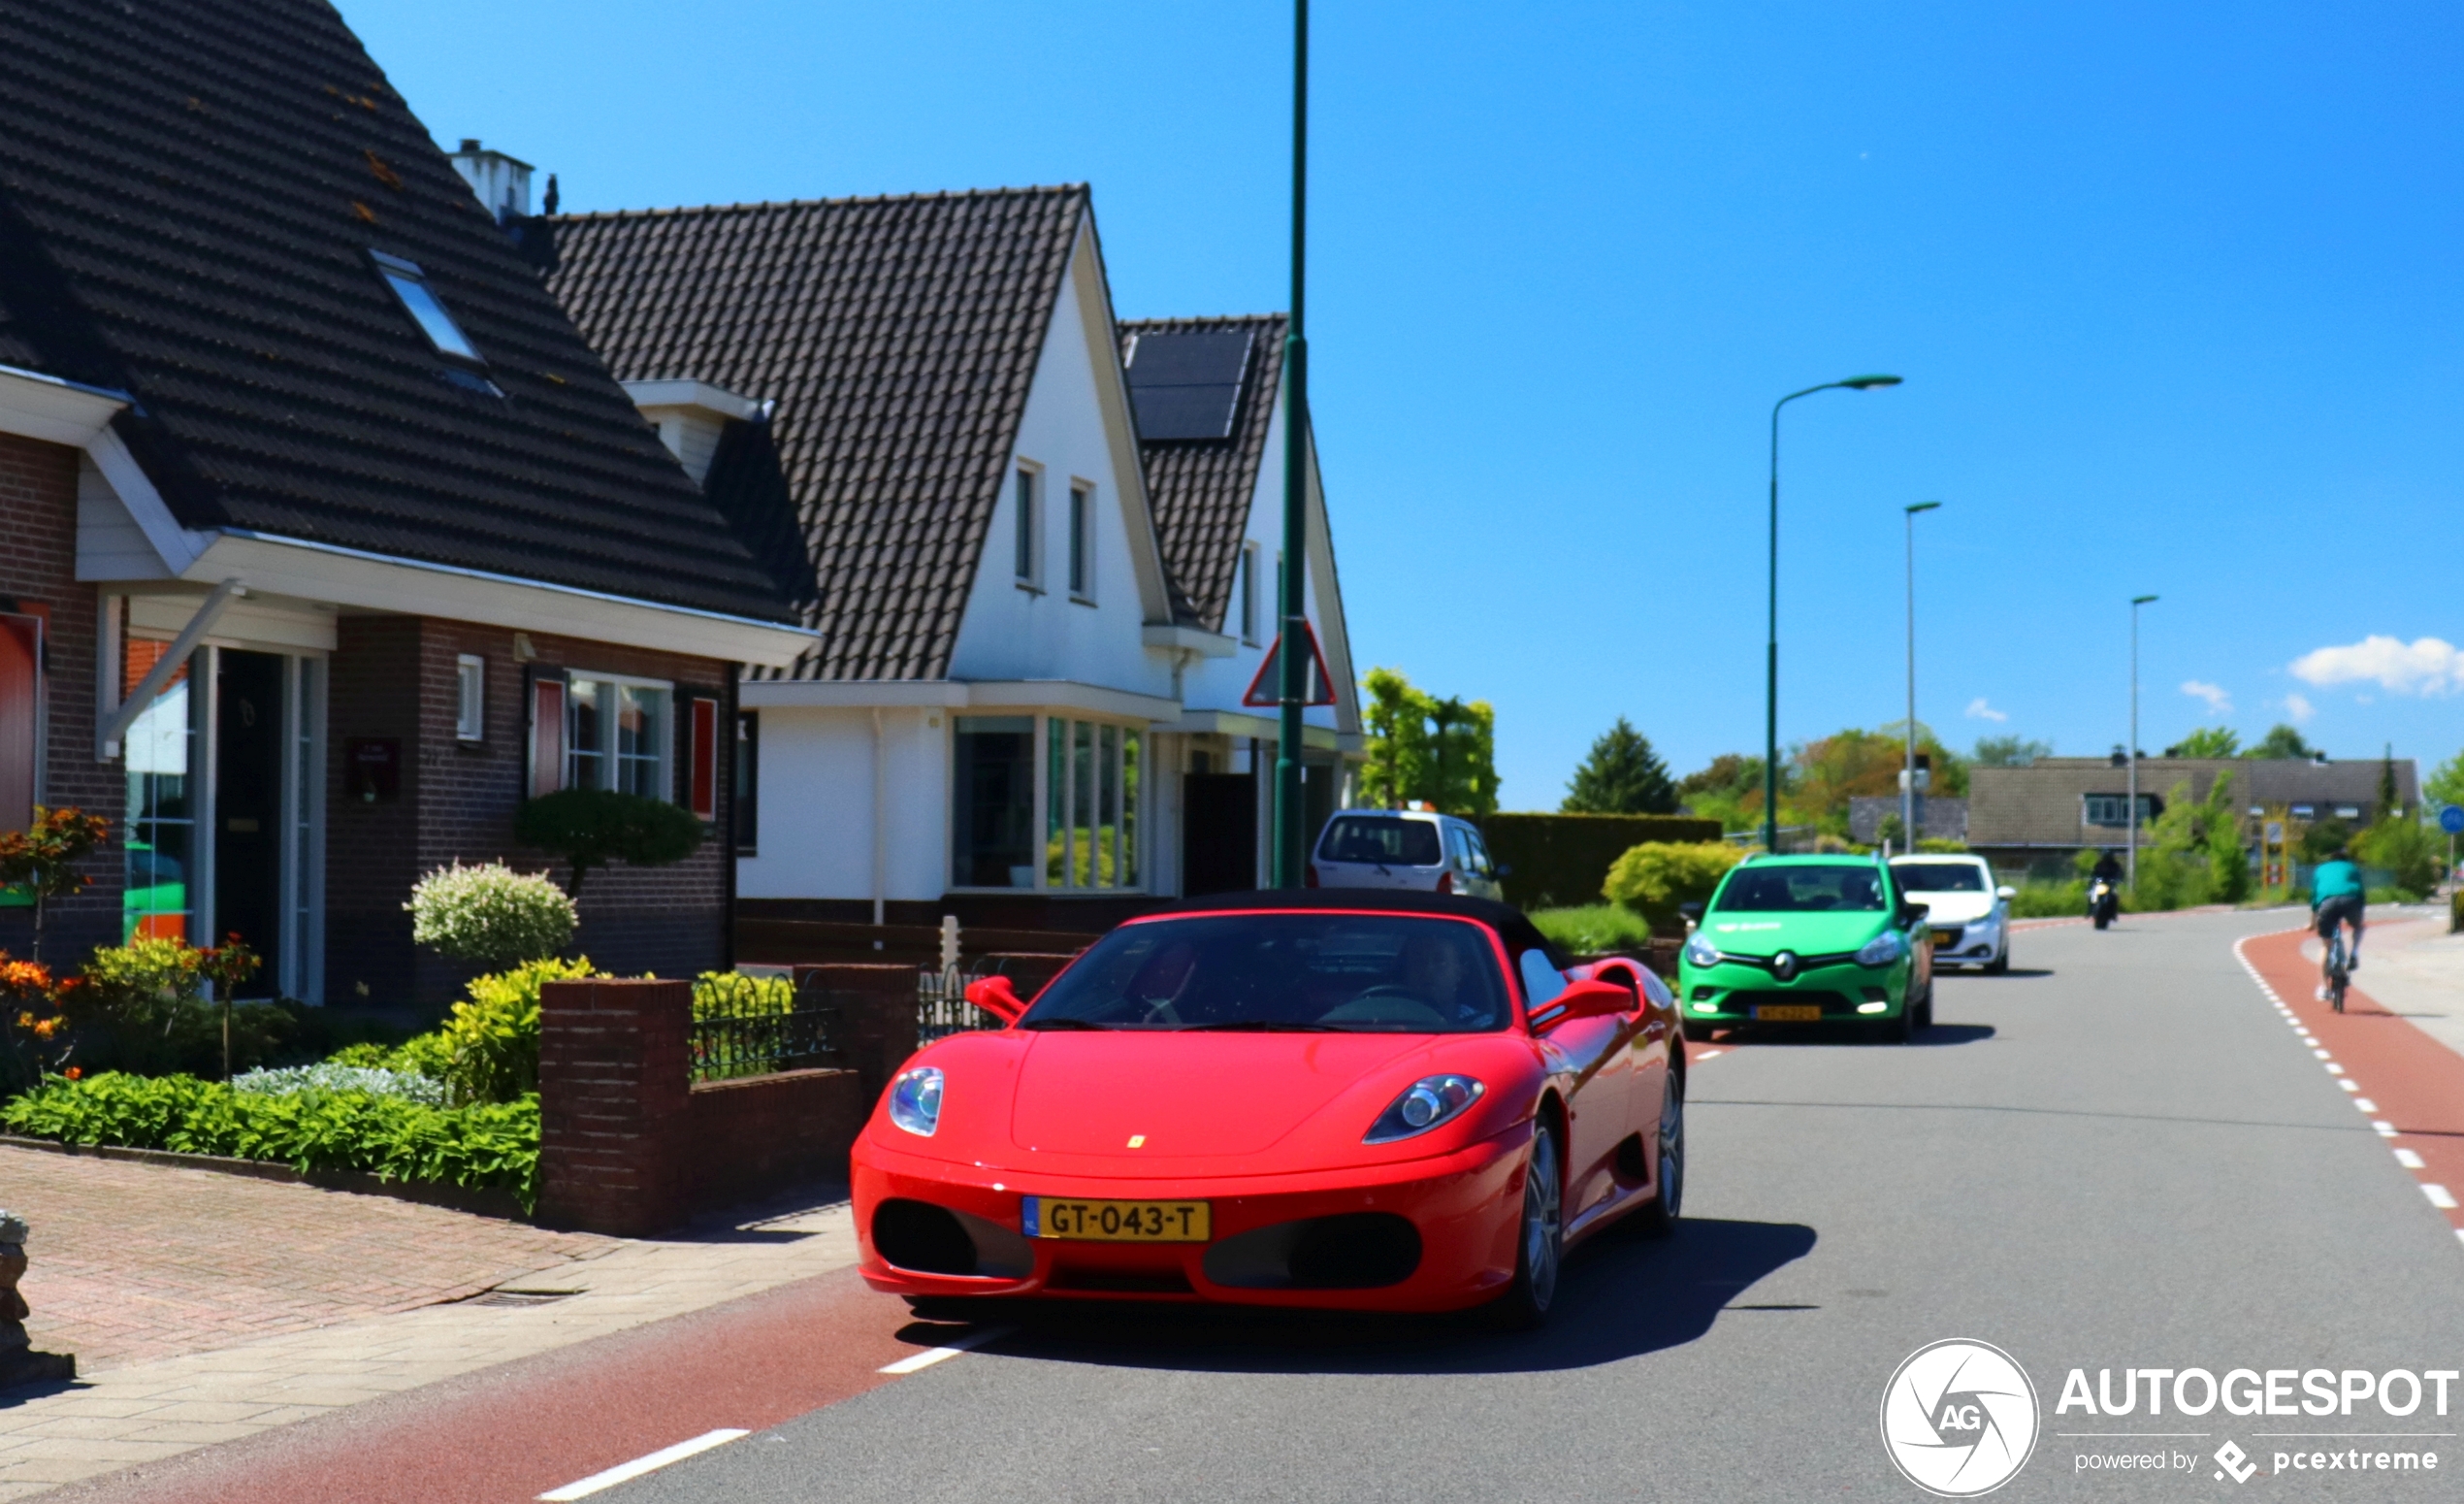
x,y
1389,1101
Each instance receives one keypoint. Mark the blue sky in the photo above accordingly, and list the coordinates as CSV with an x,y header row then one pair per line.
x,y
2175,290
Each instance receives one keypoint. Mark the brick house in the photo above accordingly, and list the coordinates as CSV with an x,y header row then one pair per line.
x,y
1040,548
2032,819
325,540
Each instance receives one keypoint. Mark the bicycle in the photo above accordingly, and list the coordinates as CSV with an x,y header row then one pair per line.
x,y
2339,972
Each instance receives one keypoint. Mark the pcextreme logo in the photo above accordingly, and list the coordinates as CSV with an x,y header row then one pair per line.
x,y
1959,1417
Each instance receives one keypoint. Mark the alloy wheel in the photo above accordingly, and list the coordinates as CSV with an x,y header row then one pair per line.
x,y
1542,1219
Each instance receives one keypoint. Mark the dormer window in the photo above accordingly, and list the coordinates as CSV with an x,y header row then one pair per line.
x,y
426,309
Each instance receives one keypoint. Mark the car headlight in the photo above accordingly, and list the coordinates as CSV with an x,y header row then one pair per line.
x,y
914,1100
1430,1102
1882,950
1701,951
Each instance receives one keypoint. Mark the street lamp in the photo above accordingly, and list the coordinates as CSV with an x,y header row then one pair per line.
x,y
1289,848
1770,666
2131,816
1908,784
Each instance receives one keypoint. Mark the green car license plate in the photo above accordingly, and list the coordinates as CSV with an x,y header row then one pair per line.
x,y
1787,1013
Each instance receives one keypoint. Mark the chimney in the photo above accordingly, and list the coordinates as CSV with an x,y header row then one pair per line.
x,y
501,183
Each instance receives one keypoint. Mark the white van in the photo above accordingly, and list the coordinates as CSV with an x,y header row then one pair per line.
x,y
1403,848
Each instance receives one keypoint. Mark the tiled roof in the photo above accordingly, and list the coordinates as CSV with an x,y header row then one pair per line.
x,y
2040,805
189,194
1201,491
898,338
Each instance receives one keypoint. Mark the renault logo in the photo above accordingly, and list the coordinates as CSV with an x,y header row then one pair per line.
x,y
1784,966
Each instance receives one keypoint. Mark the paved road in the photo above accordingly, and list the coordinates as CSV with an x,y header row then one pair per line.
x,y
2120,1156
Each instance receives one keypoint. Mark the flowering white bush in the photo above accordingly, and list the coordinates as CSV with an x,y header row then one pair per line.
x,y
491,914
330,1077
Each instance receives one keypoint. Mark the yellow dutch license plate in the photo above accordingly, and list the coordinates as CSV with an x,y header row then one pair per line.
x,y
1946,936
1788,1013
1114,1222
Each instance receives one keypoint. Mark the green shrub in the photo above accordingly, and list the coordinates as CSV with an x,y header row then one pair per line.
x,y
734,995
2414,854
1595,927
493,1146
143,1008
493,1036
1562,859
491,914
1657,876
2041,898
590,828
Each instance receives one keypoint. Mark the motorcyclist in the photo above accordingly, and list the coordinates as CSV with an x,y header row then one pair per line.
x,y
2335,896
2108,868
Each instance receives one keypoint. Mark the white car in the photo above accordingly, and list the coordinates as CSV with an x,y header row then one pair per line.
x,y
1970,917
1403,848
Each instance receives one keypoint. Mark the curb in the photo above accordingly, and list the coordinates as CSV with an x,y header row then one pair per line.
x,y
479,1202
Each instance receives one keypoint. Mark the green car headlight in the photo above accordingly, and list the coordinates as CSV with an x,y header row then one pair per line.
x,y
1701,951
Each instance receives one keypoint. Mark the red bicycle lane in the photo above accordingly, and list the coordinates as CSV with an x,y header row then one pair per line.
x,y
2402,1080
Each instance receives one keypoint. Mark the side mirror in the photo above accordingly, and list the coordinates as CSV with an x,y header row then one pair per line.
x,y
1503,868
1914,912
995,996
2006,891
1692,912
1585,1000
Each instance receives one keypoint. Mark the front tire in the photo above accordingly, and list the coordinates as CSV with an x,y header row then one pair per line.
x,y
1539,1243
1898,1031
2001,961
1660,1219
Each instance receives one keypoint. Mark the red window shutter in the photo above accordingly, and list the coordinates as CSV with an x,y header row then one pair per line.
x,y
20,702
702,777
547,732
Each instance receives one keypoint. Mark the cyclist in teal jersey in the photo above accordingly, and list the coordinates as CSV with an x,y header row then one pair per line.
x,y
2336,897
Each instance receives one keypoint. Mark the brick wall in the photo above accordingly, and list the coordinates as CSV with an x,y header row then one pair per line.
x,y
628,1147
395,677
37,574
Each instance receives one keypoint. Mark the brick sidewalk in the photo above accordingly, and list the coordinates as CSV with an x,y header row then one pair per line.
x,y
133,1263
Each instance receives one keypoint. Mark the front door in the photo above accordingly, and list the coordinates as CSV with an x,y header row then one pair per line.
x,y
249,704
1218,833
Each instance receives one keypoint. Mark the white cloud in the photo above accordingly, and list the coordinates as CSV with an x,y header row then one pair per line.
x,y
2299,708
1979,710
2219,702
2428,666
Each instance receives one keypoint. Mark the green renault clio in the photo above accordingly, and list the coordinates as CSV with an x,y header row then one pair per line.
x,y
1824,941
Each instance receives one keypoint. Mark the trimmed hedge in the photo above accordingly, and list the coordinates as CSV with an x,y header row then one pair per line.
x,y
1561,861
492,1146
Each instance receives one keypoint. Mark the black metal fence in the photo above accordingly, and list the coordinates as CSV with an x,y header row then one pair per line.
x,y
749,1026
942,1006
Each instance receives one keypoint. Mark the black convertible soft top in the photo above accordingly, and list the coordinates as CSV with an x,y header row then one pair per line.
x,y
1518,932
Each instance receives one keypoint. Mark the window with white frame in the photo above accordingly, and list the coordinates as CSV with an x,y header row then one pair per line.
x,y
1081,542
469,697
1029,556
1093,778
1248,592
617,735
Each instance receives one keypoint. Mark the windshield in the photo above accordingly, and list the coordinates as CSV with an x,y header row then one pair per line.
x,y
1939,876
1382,839
1827,888
1353,973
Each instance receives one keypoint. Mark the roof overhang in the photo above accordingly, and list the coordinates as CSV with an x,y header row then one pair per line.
x,y
956,695
368,581
1233,723
1189,640
35,405
699,395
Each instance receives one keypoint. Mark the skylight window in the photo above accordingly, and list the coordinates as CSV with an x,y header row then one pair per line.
x,y
426,309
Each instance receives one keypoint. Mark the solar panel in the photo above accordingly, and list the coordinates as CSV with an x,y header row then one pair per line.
x,y
1188,385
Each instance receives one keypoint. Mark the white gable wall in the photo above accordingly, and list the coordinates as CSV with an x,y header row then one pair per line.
x,y
816,839
1013,634
1218,683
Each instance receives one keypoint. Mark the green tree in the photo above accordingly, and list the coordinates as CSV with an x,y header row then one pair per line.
x,y
1730,789
1442,752
2389,805
2446,781
2196,852
2281,741
2008,751
2208,741
1621,776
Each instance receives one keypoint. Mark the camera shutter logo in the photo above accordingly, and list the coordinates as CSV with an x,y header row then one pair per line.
x,y
1959,1417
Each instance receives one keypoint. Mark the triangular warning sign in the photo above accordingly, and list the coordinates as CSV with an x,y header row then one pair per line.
x,y
1267,689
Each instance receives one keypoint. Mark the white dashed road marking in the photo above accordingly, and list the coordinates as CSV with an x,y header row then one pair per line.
x,y
2409,1159
2439,1197
625,1471
942,1354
